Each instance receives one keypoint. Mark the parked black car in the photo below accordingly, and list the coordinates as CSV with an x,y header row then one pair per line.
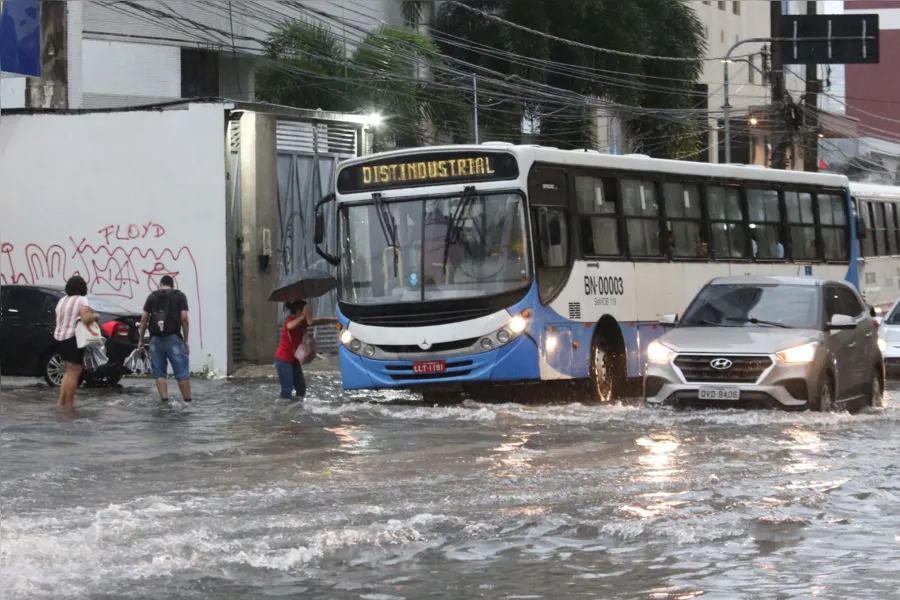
x,y
27,345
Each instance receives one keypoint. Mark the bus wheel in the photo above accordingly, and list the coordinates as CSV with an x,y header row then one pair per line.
x,y
607,371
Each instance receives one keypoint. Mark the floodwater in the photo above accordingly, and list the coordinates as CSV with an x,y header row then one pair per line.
x,y
243,496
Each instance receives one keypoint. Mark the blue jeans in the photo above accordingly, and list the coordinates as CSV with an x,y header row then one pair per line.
x,y
169,348
290,376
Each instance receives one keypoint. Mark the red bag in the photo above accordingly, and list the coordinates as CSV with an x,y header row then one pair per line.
x,y
306,351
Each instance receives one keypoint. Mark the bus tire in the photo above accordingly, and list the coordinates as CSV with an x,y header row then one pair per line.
x,y
607,370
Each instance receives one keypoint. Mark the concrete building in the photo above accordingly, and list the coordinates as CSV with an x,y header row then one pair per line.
x,y
873,91
218,194
126,54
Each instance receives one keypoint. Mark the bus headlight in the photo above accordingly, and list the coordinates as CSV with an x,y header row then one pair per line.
x,y
369,351
503,336
346,337
518,324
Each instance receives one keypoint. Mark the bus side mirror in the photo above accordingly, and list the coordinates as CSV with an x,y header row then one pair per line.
x,y
319,231
319,234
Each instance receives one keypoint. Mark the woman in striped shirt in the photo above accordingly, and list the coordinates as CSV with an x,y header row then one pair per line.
x,y
69,310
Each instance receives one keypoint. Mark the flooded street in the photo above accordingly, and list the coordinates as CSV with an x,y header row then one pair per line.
x,y
244,496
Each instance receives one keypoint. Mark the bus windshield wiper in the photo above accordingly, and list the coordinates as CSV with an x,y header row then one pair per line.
x,y
386,219
454,228
755,321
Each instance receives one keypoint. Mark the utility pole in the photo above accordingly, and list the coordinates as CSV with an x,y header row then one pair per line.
x,y
811,109
52,89
475,91
780,139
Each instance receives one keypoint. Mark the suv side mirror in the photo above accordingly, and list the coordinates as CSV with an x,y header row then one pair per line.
x,y
841,322
669,319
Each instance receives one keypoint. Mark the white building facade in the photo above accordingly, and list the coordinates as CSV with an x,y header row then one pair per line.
x,y
150,52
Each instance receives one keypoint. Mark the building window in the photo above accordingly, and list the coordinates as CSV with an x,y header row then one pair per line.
x,y
765,219
641,208
199,73
833,220
597,216
721,5
727,222
802,222
736,7
686,238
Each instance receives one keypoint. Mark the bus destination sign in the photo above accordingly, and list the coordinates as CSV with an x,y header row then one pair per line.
x,y
427,169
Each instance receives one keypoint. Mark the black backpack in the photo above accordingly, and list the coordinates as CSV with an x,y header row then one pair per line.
x,y
164,320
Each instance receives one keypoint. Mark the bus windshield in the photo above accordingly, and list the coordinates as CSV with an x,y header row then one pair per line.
x,y
433,248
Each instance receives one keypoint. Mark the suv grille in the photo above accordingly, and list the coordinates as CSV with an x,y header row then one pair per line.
x,y
744,369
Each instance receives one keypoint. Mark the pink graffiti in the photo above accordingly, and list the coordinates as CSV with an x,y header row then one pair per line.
x,y
111,266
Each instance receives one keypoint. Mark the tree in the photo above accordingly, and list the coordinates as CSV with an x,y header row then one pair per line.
x,y
526,70
306,67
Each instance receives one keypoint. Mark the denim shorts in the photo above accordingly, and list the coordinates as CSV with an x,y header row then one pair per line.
x,y
169,348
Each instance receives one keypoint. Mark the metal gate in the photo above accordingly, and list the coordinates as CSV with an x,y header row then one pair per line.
x,y
308,154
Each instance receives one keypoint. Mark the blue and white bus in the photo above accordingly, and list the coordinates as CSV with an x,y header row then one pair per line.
x,y
472,266
879,242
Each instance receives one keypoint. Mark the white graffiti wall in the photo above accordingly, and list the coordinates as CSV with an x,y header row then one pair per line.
x,y
122,199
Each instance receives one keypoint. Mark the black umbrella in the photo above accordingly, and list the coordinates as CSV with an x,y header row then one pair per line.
x,y
303,285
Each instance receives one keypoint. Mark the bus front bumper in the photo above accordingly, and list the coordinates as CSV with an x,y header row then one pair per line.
x,y
517,361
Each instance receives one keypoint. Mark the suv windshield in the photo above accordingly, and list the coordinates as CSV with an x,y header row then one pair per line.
x,y
795,306
894,317
424,249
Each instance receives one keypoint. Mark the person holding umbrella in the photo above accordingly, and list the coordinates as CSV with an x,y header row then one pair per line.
x,y
288,368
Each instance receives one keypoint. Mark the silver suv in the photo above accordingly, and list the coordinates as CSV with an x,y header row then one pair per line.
x,y
788,342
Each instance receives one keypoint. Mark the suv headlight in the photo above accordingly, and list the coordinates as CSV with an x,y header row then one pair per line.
x,y
798,354
882,344
657,353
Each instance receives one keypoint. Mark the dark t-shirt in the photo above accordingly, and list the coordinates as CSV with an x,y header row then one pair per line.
x,y
177,303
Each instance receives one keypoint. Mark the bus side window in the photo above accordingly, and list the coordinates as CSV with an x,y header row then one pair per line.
x,y
834,226
597,215
726,216
765,224
641,207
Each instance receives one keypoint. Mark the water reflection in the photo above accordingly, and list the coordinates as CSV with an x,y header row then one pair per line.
x,y
511,458
352,439
658,463
799,458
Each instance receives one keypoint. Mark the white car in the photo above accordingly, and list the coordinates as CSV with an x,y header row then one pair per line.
x,y
889,331
786,342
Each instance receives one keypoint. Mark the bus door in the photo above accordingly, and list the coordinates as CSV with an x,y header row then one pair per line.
x,y
551,227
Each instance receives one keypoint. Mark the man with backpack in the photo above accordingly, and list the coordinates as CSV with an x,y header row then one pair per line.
x,y
166,313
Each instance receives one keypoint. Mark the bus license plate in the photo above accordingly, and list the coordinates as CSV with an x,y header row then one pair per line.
x,y
719,393
431,366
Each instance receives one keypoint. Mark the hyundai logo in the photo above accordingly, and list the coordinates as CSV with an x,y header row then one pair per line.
x,y
720,363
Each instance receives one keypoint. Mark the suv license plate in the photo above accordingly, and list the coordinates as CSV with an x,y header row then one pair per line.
x,y
432,366
719,393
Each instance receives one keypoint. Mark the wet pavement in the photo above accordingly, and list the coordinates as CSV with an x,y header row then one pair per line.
x,y
241,495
